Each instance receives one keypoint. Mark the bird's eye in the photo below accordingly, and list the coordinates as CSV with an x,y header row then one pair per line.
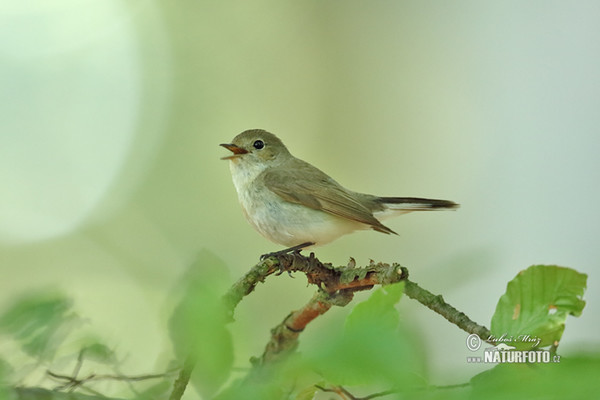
x,y
258,144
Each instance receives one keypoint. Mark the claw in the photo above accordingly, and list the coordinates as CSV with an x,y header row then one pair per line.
x,y
293,249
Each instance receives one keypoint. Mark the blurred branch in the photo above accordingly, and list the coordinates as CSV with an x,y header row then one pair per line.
x,y
345,394
182,379
22,393
72,382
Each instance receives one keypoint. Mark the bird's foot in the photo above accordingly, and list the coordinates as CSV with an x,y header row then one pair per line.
x,y
294,249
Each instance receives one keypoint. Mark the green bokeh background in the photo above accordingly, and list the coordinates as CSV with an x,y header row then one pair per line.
x,y
110,180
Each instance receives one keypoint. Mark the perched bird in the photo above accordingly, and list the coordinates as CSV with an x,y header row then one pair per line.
x,y
295,204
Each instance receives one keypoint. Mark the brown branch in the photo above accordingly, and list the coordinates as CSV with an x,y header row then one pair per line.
x,y
336,287
324,275
284,337
334,279
339,284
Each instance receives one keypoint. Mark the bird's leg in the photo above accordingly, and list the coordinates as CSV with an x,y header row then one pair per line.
x,y
294,249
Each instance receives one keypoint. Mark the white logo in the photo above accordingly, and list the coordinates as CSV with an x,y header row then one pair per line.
x,y
473,342
503,353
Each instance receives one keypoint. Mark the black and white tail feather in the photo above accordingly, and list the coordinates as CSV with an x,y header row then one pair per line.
x,y
392,206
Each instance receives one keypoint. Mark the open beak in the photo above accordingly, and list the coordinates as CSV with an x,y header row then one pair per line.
x,y
236,150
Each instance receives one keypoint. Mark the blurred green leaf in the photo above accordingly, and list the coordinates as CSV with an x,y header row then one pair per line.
x,y
39,322
374,347
38,393
5,371
157,391
197,325
572,378
308,393
285,379
99,352
537,302
378,311
268,388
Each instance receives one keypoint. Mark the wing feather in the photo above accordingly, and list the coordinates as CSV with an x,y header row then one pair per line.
x,y
309,186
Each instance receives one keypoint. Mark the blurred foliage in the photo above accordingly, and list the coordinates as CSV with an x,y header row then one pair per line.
x,y
375,352
111,175
99,352
40,322
46,328
197,325
374,347
157,391
5,373
536,303
574,377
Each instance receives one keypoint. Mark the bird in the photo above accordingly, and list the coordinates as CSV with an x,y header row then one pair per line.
x,y
294,204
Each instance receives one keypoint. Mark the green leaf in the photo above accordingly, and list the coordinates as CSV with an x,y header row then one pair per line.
x,y
378,310
308,393
285,379
39,322
536,304
99,352
573,377
5,386
374,348
6,371
159,390
267,388
197,325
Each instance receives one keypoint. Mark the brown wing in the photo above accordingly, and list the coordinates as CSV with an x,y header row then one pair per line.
x,y
304,184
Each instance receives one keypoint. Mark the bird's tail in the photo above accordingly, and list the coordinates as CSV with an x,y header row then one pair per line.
x,y
407,204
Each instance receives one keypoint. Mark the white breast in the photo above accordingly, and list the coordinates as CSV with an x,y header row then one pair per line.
x,y
285,223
